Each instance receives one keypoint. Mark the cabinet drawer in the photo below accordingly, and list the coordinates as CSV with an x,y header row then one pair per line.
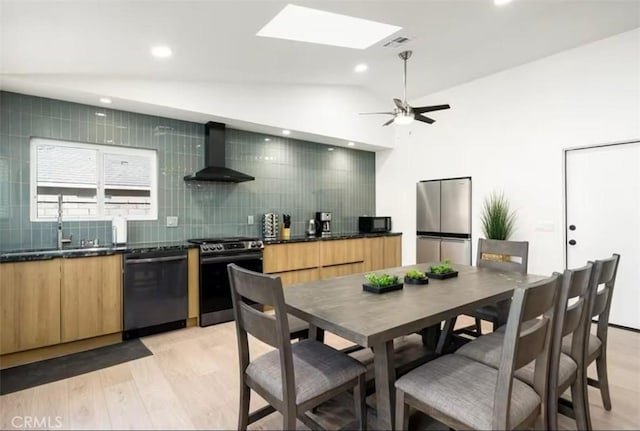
x,y
299,276
340,270
289,257
336,252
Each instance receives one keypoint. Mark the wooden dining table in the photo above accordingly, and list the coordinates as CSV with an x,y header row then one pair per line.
x,y
339,305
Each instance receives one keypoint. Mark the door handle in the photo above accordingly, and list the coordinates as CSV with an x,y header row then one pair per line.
x,y
572,227
572,242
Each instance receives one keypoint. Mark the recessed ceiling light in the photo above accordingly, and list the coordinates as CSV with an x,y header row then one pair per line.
x,y
286,132
330,148
304,24
351,144
161,51
361,68
105,100
267,139
501,2
101,114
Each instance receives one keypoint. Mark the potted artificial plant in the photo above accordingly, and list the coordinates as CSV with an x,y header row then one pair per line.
x,y
381,283
497,221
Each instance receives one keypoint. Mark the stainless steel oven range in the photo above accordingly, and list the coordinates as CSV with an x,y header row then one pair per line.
x,y
215,255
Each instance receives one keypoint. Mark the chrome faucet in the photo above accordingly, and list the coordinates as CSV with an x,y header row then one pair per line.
x,y
61,239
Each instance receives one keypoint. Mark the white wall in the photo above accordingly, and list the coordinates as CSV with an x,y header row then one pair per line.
x,y
508,132
326,114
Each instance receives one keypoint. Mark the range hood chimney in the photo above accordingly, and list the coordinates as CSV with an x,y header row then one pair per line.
x,y
214,151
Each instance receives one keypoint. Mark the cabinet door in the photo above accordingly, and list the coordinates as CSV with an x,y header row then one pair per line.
x,y
194,282
392,251
91,297
374,254
30,306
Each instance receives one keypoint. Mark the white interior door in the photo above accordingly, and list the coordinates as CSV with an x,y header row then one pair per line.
x,y
603,217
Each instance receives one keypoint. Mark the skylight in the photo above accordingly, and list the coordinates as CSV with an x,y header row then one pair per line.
x,y
304,24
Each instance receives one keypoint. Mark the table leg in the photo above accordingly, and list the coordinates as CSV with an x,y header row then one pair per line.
x,y
445,335
316,333
385,375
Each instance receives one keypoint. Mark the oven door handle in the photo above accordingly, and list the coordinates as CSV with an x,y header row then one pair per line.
x,y
130,261
230,259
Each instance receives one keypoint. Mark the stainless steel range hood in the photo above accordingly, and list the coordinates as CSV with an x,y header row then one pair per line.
x,y
214,152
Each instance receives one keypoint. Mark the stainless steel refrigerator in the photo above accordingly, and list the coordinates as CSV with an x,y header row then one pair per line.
x,y
444,220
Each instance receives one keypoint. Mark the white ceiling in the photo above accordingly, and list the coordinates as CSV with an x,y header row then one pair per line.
x,y
453,41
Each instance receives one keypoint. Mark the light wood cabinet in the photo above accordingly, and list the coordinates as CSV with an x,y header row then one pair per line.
x,y
91,297
340,270
194,282
341,251
299,276
30,306
383,252
289,257
392,251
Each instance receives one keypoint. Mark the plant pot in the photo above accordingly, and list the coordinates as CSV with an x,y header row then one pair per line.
x,y
408,280
442,276
382,289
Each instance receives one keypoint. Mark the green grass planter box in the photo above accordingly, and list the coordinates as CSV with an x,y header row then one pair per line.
x,y
381,289
442,276
408,280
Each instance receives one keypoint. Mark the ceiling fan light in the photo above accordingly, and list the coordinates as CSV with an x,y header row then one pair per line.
x,y
403,119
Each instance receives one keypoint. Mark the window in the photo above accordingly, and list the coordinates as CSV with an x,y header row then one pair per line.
x,y
96,182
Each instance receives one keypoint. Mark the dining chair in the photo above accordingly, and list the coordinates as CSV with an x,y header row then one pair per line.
x,y
490,254
565,369
463,393
296,377
601,293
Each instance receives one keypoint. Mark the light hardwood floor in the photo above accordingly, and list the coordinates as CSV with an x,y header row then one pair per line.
x,y
191,382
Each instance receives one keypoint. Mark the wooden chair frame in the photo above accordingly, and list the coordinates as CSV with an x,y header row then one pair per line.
x,y
273,329
535,305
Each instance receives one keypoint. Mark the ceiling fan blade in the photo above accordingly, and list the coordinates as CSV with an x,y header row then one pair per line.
x,y
421,109
399,104
389,122
424,119
375,113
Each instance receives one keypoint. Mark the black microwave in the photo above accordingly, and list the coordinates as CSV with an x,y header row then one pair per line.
x,y
370,224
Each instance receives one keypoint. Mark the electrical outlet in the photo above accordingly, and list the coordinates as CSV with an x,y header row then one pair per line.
x,y
250,219
172,221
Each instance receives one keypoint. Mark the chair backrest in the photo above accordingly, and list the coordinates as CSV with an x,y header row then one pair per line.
x,y
600,299
527,338
272,329
572,310
513,249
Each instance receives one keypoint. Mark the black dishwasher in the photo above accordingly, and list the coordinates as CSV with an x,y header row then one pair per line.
x,y
155,292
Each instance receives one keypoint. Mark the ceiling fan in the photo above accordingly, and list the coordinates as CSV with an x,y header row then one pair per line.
x,y
403,113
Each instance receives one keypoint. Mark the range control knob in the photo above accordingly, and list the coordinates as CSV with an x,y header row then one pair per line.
x,y
219,247
204,247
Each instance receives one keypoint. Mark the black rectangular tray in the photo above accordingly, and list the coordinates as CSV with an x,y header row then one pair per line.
x,y
442,276
385,289
415,281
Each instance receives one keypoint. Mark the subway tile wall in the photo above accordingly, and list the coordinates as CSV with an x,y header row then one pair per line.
x,y
292,176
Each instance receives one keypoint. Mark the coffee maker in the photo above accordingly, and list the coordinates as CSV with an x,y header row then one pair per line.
x,y
323,225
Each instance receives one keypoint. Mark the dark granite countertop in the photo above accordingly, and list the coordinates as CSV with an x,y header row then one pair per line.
x,y
343,235
51,253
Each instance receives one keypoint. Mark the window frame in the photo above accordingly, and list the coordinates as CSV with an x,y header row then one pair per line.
x,y
101,150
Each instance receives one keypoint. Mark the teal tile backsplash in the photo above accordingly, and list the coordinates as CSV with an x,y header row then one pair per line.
x,y
292,176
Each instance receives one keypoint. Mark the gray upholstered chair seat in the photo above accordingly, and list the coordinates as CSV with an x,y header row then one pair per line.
x,y
594,345
318,368
487,349
464,389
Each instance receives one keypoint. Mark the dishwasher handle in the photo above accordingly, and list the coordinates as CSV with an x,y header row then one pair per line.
x,y
134,261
